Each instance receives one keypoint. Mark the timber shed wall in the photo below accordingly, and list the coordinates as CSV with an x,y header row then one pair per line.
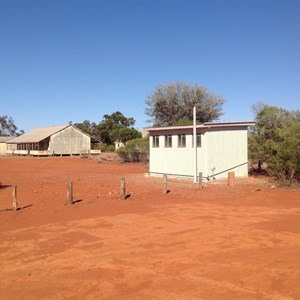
x,y
69,141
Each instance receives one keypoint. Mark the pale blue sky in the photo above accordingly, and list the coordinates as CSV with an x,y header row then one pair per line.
x,y
64,61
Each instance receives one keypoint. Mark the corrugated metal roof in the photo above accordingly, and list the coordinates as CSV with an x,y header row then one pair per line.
x,y
36,135
4,139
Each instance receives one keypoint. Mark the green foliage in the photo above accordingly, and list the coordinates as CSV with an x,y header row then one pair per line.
x,y
110,128
106,148
276,140
110,123
88,127
118,119
124,134
285,165
170,103
7,126
184,121
135,150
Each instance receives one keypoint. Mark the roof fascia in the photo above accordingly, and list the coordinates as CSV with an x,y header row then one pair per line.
x,y
202,126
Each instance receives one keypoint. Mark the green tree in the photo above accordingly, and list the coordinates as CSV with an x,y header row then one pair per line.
x,y
265,136
124,134
88,127
275,140
173,102
285,165
110,123
111,128
7,126
118,119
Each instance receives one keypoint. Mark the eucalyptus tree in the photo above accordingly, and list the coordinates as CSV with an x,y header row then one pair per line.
x,y
173,103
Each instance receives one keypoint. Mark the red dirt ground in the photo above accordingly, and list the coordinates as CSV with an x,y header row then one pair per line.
x,y
220,242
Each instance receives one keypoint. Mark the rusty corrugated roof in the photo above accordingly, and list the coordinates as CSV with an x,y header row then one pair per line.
x,y
36,135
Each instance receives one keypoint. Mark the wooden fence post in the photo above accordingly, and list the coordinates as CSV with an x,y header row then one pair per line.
x,y
14,196
70,193
200,180
165,184
123,189
231,177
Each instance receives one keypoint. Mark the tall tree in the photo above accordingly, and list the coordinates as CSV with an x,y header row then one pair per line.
x,y
111,123
266,134
275,140
112,127
124,134
171,103
88,127
286,163
7,126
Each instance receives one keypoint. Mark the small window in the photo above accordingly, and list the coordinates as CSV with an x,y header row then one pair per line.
x,y
155,141
168,141
181,141
199,141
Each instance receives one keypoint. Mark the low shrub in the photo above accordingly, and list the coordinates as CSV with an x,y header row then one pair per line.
x,y
107,148
135,150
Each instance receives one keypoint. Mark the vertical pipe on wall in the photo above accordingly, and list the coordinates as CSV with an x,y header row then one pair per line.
x,y
195,144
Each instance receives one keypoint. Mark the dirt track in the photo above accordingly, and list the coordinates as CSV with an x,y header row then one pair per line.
x,y
215,243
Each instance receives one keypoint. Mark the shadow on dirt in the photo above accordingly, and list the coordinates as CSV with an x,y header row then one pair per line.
x,y
4,186
18,209
77,201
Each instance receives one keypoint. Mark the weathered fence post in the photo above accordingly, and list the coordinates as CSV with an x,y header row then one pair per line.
x,y
165,184
70,193
231,177
14,196
200,180
123,189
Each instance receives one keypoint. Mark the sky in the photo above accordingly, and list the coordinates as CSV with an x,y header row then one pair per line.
x,y
64,61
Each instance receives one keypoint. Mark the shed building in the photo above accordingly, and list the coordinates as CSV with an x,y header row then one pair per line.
x,y
3,146
55,140
221,147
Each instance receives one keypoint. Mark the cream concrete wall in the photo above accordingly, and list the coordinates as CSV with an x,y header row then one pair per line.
x,y
69,141
221,151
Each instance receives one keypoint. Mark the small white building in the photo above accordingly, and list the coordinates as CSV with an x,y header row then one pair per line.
x,y
221,147
118,144
55,140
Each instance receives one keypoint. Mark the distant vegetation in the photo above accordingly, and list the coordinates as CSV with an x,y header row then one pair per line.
x,y
114,127
275,141
135,150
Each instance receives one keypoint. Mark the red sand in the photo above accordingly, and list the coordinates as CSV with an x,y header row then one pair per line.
x,y
220,242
